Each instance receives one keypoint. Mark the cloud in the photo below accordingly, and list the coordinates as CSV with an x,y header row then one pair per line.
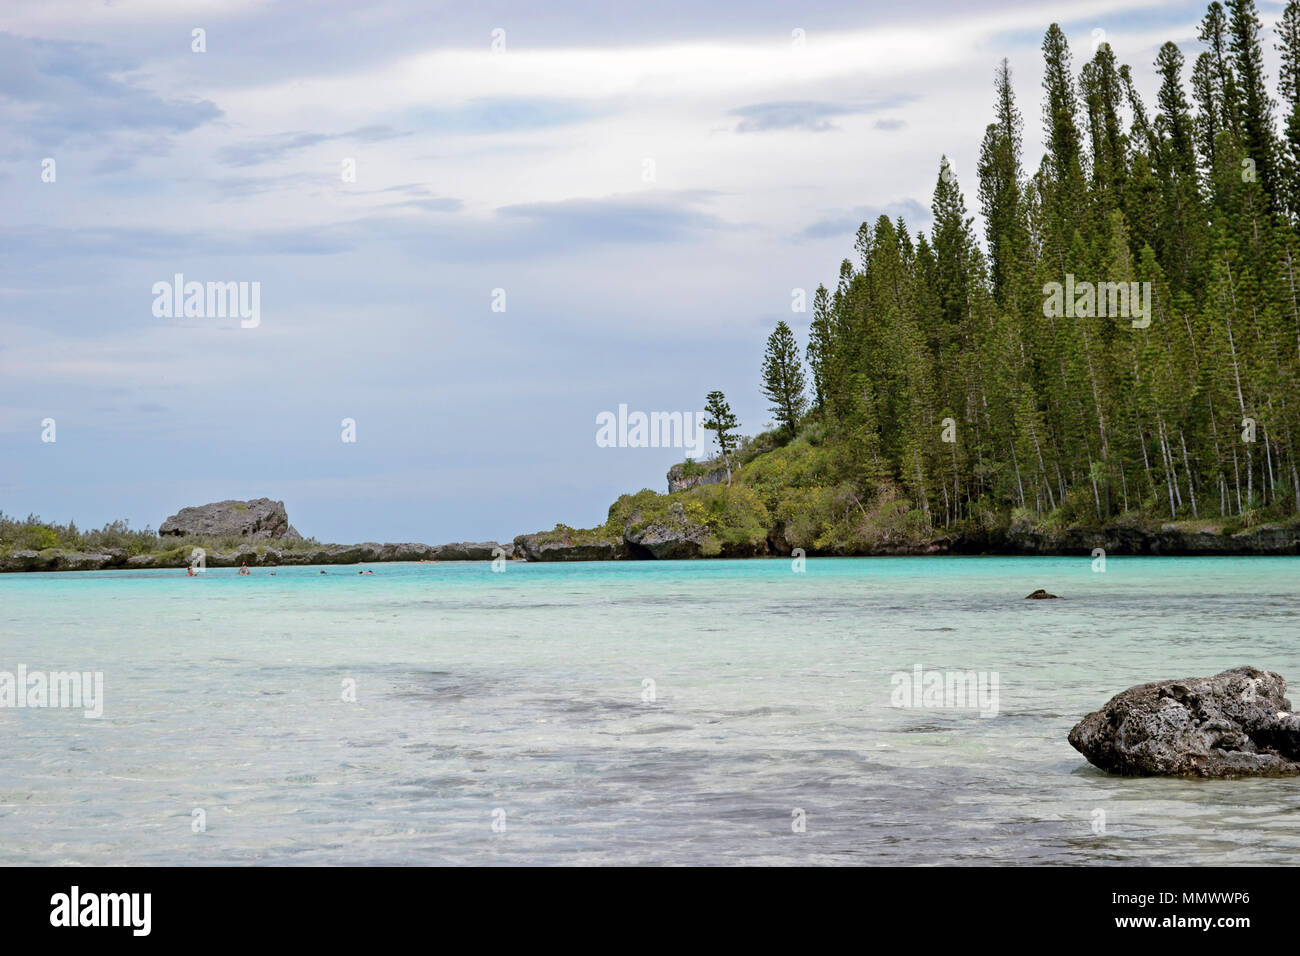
x,y
505,115
812,115
21,247
423,228
889,124
272,148
55,90
615,219
913,213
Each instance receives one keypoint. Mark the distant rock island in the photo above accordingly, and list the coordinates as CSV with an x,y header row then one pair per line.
x,y
229,533
259,518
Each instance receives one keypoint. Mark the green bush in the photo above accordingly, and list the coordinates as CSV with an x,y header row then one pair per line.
x,y
39,537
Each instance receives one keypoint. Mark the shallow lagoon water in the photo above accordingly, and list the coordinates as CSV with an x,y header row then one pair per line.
x,y
516,698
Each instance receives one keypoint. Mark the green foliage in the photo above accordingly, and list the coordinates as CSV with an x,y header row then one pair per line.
x,y
38,537
783,379
734,514
564,534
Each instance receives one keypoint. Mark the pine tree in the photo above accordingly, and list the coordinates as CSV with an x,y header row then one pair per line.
x,y
1256,114
1221,78
820,344
783,378
1288,32
723,424
1209,112
1063,181
999,190
1102,92
1181,238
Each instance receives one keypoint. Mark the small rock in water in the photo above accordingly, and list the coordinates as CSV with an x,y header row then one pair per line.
x,y
1235,724
1040,595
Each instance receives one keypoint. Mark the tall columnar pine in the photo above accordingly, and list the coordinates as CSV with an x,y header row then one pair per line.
x,y
820,343
1288,45
1257,133
783,379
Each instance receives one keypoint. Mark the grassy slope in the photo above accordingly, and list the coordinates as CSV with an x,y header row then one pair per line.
x,y
787,496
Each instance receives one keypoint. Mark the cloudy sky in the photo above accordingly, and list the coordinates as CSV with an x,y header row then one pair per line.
x,y
647,183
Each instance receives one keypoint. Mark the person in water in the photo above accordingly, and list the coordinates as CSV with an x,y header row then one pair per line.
x,y
243,569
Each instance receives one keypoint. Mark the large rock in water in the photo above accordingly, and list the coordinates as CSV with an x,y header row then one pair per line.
x,y
259,518
1238,723
566,545
674,536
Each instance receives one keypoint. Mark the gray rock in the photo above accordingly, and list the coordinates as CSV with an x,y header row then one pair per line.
x,y
1041,595
676,538
1238,723
561,546
25,560
258,518
469,551
677,481
57,559
84,561
407,552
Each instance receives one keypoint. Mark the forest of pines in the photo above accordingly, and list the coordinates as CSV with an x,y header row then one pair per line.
x,y
962,381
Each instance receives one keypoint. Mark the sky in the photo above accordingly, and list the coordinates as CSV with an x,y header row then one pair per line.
x,y
472,228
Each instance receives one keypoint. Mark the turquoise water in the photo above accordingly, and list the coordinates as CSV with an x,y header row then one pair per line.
x,y
519,699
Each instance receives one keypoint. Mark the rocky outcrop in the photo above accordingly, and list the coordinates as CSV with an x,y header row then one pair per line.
x,y
673,537
561,545
1128,537
1041,595
665,537
1238,723
466,551
678,480
367,553
52,559
258,518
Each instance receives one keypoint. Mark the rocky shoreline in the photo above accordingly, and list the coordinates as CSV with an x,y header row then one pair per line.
x,y
666,542
53,559
272,541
